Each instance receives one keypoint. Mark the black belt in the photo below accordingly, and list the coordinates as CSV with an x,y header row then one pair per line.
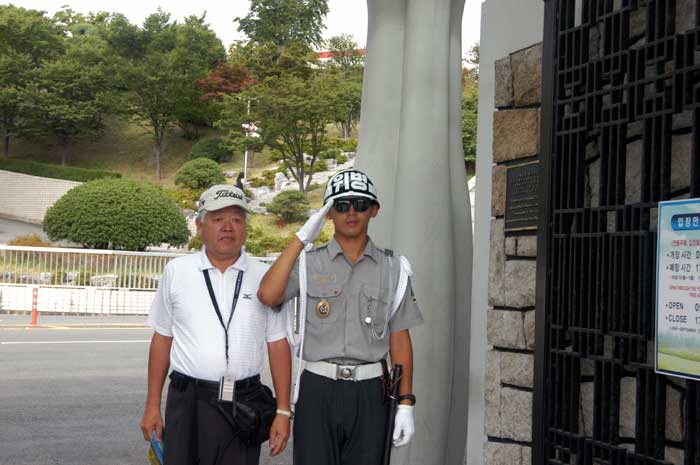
x,y
180,383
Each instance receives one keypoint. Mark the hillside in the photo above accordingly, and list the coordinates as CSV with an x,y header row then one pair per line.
x,y
127,148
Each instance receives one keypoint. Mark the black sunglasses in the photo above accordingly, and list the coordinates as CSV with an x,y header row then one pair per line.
x,y
360,204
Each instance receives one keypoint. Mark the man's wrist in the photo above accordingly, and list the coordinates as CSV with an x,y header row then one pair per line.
x,y
285,412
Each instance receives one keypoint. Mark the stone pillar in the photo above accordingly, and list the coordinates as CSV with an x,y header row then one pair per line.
x,y
410,145
512,270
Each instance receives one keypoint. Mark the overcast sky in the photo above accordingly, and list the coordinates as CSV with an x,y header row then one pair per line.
x,y
344,16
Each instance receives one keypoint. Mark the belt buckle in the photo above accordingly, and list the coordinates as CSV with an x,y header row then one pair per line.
x,y
347,373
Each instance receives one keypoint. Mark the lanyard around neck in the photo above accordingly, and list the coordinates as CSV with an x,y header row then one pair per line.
x,y
239,280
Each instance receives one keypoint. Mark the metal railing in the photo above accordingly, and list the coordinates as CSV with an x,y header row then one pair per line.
x,y
81,280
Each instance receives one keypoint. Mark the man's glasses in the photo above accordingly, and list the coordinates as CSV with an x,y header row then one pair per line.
x,y
360,204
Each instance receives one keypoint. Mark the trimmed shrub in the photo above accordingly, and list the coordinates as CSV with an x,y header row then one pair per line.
x,y
349,145
185,197
267,178
116,214
46,170
199,173
330,153
212,149
291,206
195,243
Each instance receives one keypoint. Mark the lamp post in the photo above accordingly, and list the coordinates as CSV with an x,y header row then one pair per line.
x,y
251,130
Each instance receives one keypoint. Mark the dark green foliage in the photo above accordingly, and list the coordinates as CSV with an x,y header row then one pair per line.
x,y
291,206
267,178
116,214
212,149
285,22
47,170
199,173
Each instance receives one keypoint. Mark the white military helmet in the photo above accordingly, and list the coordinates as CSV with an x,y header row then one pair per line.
x,y
350,183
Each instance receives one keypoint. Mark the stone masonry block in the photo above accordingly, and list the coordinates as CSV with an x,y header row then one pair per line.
x,y
511,246
498,453
505,328
681,153
628,414
517,369
520,283
585,418
686,11
492,395
516,414
527,246
529,329
633,172
498,191
504,83
516,134
497,264
674,456
527,75
674,415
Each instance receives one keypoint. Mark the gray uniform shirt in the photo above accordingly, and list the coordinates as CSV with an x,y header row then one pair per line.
x,y
357,327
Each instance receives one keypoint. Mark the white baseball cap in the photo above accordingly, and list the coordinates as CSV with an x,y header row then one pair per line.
x,y
222,196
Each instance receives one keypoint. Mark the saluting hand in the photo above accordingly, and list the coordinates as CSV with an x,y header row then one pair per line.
x,y
279,434
313,225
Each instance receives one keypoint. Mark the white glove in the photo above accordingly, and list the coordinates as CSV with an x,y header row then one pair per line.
x,y
313,225
404,429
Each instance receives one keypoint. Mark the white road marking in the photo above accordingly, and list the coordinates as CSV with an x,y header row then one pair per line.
x,y
70,342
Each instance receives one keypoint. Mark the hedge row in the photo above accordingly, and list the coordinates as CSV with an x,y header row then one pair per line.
x,y
70,173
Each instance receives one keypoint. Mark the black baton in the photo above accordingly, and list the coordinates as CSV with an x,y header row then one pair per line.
x,y
393,398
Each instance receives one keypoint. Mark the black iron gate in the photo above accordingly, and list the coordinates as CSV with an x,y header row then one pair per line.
x,y
620,132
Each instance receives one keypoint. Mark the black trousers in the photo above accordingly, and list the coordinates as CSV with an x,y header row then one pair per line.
x,y
339,422
196,432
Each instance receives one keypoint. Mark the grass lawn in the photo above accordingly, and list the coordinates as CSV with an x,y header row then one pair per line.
x,y
127,148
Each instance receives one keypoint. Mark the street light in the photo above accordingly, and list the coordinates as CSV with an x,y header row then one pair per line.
x,y
251,130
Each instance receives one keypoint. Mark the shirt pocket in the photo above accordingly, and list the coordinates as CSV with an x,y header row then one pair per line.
x,y
324,302
374,310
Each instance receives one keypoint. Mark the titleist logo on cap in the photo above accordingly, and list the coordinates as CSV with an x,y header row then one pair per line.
x,y
349,181
227,193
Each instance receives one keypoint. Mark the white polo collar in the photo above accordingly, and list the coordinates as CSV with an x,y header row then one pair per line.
x,y
240,264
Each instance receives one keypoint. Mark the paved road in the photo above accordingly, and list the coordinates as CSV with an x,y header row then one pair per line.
x,y
10,229
74,396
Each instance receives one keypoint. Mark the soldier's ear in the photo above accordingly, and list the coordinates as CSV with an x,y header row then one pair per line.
x,y
374,210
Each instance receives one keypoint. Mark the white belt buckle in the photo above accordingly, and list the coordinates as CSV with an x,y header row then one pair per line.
x,y
345,372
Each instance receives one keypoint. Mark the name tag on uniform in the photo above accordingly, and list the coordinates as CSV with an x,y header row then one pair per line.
x,y
324,278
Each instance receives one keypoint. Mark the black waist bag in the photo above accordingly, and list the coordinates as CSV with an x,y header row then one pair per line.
x,y
255,411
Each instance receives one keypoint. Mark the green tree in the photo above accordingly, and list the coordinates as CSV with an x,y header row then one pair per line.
x,y
160,82
291,114
345,53
27,39
66,98
283,22
116,214
470,104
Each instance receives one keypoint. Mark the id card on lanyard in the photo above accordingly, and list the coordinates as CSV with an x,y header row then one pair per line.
x,y
226,382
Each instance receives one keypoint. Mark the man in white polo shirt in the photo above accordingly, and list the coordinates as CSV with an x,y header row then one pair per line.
x,y
211,329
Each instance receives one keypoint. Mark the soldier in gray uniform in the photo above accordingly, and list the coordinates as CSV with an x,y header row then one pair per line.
x,y
359,306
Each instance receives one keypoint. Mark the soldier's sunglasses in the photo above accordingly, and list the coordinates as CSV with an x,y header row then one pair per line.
x,y
360,204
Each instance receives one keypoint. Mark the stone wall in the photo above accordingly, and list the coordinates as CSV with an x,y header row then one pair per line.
x,y
26,198
511,295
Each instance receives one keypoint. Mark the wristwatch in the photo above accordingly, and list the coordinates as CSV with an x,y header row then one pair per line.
x,y
410,397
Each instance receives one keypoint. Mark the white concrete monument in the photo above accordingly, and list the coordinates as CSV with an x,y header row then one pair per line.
x,y
410,145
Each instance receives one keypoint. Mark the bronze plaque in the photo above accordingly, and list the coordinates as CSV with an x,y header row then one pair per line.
x,y
521,197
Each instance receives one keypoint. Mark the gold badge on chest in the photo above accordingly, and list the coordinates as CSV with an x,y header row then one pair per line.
x,y
323,309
